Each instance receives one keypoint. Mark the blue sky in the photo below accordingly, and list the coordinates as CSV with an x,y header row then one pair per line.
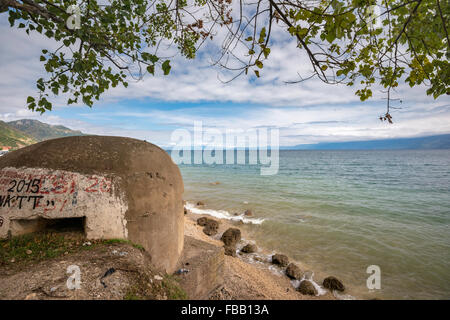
x,y
153,108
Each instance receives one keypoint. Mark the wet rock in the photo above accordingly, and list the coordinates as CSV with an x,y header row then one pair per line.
x,y
248,213
306,287
333,283
249,248
211,227
280,259
260,259
200,203
185,211
230,251
231,237
294,272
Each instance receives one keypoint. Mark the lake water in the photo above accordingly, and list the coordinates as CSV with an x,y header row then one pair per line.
x,y
342,211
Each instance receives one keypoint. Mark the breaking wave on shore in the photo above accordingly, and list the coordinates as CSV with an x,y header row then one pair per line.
x,y
222,214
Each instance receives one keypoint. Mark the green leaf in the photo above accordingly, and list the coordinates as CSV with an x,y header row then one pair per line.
x,y
151,69
149,57
259,64
166,67
262,35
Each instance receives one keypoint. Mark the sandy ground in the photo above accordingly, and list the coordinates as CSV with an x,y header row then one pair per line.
x,y
245,280
134,278
48,279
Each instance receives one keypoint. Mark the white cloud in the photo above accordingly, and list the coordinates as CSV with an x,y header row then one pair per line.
x,y
308,112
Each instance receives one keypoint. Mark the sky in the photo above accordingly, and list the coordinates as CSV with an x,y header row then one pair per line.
x,y
151,109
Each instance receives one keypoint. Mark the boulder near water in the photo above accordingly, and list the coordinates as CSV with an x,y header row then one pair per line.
x,y
248,213
118,187
294,272
231,236
280,259
249,248
333,283
211,227
306,287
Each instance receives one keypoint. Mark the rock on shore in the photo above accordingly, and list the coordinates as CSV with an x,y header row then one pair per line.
x,y
249,248
280,259
230,238
294,272
306,287
333,283
210,225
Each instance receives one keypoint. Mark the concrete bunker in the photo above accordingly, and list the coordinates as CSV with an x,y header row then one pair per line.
x,y
110,187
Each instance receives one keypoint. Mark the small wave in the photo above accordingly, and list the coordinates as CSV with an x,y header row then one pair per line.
x,y
222,214
309,276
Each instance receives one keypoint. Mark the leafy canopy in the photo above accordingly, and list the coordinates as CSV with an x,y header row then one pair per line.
x,y
359,43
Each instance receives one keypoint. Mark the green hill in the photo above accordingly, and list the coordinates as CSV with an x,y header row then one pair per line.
x,y
43,131
11,137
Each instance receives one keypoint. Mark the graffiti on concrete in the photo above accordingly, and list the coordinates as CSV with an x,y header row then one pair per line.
x,y
46,190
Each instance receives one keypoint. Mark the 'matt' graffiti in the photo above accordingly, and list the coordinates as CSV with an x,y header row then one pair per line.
x,y
46,191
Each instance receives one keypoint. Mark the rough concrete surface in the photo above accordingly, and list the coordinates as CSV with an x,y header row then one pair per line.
x,y
125,188
204,264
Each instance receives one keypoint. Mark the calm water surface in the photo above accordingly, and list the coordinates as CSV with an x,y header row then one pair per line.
x,y
341,211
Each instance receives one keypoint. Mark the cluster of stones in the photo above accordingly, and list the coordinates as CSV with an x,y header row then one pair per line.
x,y
231,238
211,226
306,287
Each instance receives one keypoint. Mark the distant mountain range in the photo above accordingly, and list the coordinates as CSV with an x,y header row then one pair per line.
x,y
431,142
20,133
11,137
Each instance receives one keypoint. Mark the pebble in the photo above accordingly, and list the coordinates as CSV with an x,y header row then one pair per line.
x,y
31,296
29,252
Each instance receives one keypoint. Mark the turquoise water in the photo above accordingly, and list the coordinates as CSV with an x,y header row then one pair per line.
x,y
341,211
